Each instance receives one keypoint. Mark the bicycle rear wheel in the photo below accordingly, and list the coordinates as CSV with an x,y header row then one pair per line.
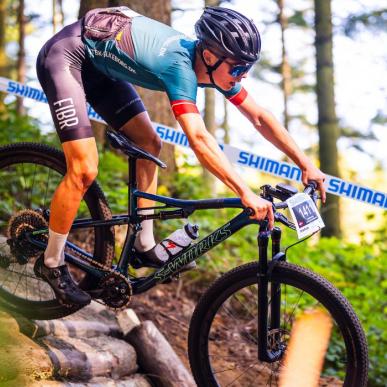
x,y
223,344
29,176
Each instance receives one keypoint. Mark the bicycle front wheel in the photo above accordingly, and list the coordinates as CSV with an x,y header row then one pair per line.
x,y
223,343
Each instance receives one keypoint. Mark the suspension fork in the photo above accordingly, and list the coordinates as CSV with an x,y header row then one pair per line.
x,y
264,271
275,305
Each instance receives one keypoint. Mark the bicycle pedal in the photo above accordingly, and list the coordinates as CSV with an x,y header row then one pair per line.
x,y
137,263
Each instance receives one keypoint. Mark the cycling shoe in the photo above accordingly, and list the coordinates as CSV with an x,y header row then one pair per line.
x,y
59,278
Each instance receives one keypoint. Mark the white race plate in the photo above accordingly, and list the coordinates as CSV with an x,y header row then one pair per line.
x,y
305,215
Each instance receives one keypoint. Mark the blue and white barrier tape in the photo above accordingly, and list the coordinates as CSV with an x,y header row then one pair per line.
x,y
334,185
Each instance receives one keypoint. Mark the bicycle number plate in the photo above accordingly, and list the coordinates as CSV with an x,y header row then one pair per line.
x,y
305,214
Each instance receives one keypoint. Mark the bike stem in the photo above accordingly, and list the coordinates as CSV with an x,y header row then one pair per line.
x,y
265,354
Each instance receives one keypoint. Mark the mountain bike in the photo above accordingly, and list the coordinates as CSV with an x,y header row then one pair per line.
x,y
240,327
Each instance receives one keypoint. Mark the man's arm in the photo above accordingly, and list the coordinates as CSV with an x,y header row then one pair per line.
x,y
212,158
274,132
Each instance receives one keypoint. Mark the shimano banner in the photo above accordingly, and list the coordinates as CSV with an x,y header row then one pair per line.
x,y
334,185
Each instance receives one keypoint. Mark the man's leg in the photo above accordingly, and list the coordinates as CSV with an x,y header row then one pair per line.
x,y
140,130
82,163
82,168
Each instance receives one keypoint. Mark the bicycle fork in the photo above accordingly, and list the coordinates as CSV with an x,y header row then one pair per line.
x,y
265,353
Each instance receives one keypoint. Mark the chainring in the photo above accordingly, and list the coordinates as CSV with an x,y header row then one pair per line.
x,y
23,222
117,290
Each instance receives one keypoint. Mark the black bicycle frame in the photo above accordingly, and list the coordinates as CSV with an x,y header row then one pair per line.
x,y
181,209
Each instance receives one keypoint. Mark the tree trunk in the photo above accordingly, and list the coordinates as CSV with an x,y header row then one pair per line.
x,y
209,119
21,57
61,12
85,6
3,55
54,16
285,67
327,120
157,103
209,179
57,15
225,124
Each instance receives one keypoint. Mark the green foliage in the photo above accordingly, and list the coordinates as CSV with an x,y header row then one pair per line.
x,y
375,20
358,270
16,128
113,177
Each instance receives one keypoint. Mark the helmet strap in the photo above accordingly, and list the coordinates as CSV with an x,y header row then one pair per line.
x,y
211,69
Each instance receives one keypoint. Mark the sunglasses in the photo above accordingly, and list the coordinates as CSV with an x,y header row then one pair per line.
x,y
237,70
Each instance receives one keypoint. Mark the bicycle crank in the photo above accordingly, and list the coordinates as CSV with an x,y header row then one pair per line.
x,y
116,290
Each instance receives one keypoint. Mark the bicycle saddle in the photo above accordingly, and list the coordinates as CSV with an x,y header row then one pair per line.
x,y
120,141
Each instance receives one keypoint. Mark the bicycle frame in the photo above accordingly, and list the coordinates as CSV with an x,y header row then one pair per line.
x,y
182,209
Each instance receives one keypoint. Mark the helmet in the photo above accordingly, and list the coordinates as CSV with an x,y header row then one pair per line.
x,y
229,34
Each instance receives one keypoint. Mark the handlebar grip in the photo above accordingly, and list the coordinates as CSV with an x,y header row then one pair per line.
x,y
311,187
250,211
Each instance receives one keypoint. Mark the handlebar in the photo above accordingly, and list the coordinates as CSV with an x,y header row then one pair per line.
x,y
310,188
284,192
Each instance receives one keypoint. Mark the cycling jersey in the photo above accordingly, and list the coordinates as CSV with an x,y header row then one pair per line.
x,y
98,58
147,53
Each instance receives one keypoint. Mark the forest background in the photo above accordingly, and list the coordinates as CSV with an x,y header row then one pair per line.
x,y
322,73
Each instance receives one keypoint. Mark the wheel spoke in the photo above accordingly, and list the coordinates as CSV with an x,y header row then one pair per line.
x,y
231,334
243,372
32,184
47,185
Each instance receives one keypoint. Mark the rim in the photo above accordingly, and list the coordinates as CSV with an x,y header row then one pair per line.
x,y
30,186
232,339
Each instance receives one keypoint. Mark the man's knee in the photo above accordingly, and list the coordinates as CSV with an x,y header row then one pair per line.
x,y
83,174
151,144
154,145
82,163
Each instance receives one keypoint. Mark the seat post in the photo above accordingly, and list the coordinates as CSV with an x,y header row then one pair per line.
x,y
132,185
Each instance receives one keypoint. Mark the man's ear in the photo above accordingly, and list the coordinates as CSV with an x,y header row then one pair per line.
x,y
209,57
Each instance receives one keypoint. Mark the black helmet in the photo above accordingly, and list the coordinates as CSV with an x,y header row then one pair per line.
x,y
229,34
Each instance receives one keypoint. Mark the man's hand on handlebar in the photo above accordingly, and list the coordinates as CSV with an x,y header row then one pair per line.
x,y
261,207
312,173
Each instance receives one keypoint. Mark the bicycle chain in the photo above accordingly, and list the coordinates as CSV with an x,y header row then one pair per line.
x,y
108,272
28,218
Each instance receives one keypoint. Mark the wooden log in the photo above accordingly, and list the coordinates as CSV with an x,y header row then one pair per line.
x,y
87,358
136,380
67,328
157,358
127,320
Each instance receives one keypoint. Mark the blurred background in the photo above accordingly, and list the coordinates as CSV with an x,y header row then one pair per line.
x,y
322,74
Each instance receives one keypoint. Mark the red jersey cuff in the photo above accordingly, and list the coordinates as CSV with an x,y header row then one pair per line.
x,y
181,106
238,98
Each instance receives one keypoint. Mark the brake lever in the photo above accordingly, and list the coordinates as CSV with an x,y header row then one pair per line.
x,y
284,220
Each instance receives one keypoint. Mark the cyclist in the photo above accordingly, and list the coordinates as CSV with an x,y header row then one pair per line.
x,y
97,59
